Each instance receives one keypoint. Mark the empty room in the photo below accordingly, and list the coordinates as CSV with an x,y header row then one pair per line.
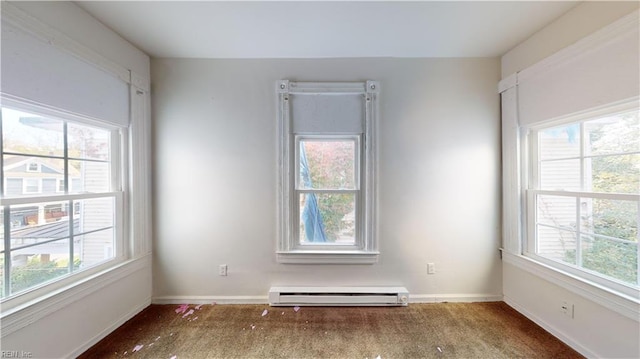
x,y
320,179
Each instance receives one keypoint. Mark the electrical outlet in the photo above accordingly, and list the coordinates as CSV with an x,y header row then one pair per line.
x,y
567,309
431,268
222,270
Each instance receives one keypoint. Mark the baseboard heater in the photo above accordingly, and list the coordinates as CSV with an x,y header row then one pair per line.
x,y
338,296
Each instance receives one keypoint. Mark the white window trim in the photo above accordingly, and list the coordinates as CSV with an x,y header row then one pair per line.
x,y
136,248
137,196
515,171
118,182
288,250
531,191
516,176
359,240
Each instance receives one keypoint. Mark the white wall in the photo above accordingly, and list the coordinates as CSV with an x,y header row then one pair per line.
x,y
603,324
72,319
595,330
215,177
76,23
577,23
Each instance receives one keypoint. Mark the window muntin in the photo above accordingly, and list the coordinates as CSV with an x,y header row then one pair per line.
x,y
57,231
584,198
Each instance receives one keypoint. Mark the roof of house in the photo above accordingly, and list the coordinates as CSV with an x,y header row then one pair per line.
x,y
59,229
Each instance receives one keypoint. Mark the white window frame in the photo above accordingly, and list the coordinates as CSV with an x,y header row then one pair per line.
x,y
289,249
118,180
532,190
298,190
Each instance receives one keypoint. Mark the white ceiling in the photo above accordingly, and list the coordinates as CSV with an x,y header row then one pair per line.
x,y
321,29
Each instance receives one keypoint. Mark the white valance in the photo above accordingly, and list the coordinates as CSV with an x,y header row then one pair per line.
x,y
35,70
599,70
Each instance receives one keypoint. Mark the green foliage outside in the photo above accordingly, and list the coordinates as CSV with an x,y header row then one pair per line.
x,y
37,271
618,219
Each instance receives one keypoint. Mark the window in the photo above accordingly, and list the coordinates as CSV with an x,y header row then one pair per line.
x,y
33,167
327,189
31,185
327,193
42,240
584,198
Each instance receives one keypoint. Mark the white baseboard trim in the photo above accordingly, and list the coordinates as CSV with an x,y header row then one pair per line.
x,y
551,329
84,347
210,299
243,299
456,298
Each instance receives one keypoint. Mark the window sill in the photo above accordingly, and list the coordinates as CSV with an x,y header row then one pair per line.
x,y
327,257
25,314
620,303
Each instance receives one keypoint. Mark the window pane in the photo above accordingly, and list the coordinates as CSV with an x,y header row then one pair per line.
x,y
612,258
28,176
557,211
27,133
94,248
327,164
560,142
39,222
31,186
89,176
613,218
43,239
560,175
93,214
2,276
88,142
1,229
613,174
34,265
556,244
327,218
613,134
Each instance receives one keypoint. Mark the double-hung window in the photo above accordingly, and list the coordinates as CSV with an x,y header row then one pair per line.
x,y
327,158
67,217
584,197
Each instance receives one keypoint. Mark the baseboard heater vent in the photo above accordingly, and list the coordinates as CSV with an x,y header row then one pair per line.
x,y
338,296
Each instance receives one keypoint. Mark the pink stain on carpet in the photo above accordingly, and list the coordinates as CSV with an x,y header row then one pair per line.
x,y
182,308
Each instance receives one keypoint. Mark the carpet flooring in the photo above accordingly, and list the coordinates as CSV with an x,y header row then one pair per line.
x,y
439,330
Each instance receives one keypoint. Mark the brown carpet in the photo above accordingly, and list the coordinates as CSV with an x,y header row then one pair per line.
x,y
442,330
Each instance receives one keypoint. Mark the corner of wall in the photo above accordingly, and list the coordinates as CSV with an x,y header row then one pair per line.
x,y
580,21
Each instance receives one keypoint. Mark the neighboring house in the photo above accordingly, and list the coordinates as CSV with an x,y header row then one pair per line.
x,y
25,176
558,175
30,225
